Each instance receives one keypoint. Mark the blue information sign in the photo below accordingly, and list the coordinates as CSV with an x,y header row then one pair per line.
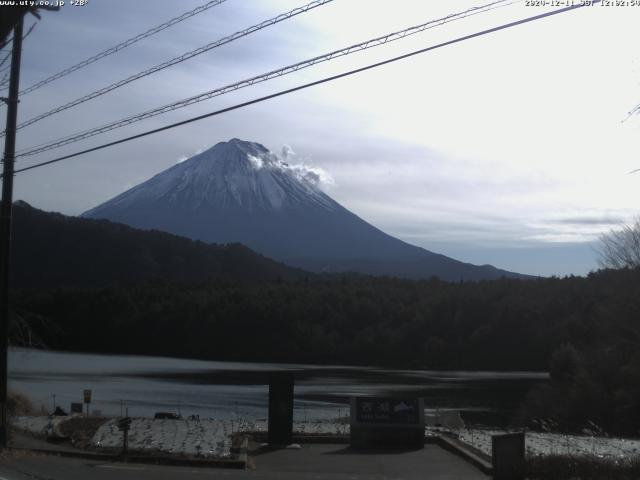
x,y
388,410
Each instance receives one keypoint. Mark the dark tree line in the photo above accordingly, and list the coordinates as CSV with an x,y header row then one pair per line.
x,y
504,324
53,249
585,331
188,299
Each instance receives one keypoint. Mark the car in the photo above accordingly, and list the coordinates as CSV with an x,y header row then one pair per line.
x,y
167,415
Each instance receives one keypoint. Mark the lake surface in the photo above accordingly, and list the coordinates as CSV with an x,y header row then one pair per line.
x,y
145,385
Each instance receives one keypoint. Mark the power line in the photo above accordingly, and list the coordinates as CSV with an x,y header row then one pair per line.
x,y
264,77
10,52
4,81
3,61
633,112
311,84
6,42
123,45
29,30
6,67
179,59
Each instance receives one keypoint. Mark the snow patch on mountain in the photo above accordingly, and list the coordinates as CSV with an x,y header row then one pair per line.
x,y
245,174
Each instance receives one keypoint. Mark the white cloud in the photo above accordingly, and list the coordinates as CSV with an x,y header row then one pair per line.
x,y
256,162
316,176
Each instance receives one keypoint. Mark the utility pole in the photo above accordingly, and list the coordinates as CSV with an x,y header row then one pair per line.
x,y
5,221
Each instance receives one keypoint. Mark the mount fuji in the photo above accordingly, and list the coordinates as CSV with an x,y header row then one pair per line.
x,y
239,191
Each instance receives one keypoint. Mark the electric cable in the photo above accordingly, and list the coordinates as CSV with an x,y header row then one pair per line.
x,y
176,60
123,45
4,60
311,84
390,37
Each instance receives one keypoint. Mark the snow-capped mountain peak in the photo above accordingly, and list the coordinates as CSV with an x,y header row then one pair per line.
x,y
234,173
239,191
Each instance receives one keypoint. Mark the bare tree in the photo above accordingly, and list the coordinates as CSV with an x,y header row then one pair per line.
x,y
621,248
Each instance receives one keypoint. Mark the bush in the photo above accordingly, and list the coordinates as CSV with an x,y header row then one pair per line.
x,y
18,404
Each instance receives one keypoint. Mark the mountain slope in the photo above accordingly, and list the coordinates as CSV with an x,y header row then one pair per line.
x,y
54,250
238,191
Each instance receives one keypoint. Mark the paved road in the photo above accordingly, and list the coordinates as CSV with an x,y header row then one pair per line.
x,y
333,462
23,440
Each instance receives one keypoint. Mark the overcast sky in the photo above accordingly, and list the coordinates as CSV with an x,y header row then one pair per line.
x,y
508,149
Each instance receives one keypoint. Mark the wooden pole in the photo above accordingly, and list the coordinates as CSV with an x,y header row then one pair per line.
x,y
5,222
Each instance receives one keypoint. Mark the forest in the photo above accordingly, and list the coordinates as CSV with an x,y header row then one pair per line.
x,y
584,330
96,286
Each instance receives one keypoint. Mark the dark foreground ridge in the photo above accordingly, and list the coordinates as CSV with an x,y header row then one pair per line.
x,y
54,250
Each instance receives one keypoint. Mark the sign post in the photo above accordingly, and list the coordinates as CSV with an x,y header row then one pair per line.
x,y
387,422
87,399
124,424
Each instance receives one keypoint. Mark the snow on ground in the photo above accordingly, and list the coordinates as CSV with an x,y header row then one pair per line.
x,y
205,438
212,438
538,443
312,427
43,425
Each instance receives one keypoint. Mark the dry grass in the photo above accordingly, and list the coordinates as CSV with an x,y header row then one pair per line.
x,y
80,430
18,404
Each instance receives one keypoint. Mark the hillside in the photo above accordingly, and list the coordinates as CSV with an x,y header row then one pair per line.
x,y
53,250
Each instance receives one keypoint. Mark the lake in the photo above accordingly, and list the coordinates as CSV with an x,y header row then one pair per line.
x,y
145,385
